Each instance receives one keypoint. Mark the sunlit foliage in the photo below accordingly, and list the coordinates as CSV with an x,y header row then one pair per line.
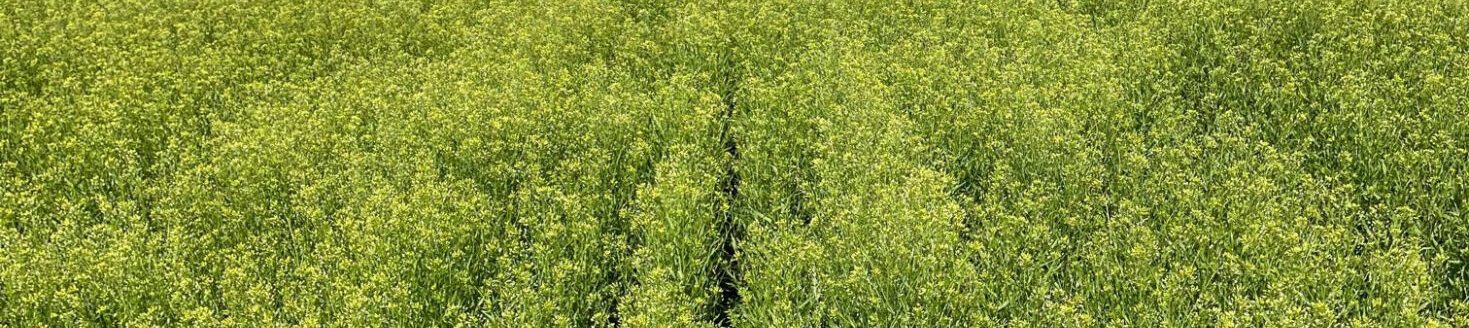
x,y
645,163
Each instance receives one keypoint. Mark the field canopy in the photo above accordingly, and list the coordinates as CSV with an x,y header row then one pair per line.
x,y
761,163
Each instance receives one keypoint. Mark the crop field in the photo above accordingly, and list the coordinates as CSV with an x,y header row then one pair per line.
x,y
750,163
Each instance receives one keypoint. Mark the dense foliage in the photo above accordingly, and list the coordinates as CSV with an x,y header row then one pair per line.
x,y
767,163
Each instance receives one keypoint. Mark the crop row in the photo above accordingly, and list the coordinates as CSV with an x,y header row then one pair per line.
x,y
755,163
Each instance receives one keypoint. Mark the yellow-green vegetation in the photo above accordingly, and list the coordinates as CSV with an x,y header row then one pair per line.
x,y
645,163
